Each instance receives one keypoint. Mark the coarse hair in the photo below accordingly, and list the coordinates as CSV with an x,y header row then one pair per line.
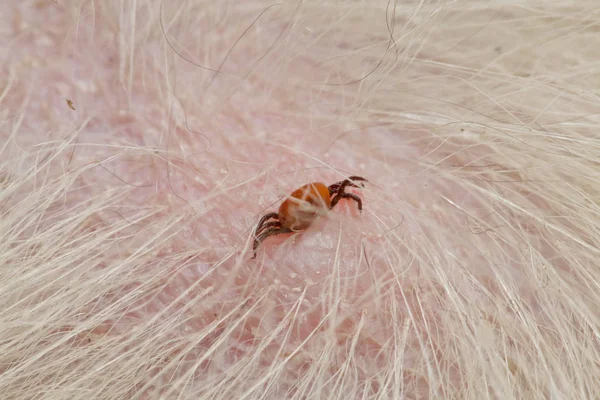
x,y
142,140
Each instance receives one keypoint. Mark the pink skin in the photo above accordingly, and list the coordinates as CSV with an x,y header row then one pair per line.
x,y
217,156
219,176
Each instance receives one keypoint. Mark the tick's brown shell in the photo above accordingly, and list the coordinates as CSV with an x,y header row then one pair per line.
x,y
301,208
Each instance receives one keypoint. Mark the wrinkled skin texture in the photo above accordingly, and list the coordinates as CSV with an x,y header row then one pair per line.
x,y
140,145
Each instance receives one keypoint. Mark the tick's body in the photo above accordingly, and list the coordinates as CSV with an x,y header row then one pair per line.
x,y
303,206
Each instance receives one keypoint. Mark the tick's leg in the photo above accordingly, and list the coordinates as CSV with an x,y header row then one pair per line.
x,y
267,233
339,187
267,225
355,178
264,219
340,196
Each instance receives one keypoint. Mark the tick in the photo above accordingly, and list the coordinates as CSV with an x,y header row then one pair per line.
x,y
303,206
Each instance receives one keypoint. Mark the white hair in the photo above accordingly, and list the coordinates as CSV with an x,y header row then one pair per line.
x,y
142,140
